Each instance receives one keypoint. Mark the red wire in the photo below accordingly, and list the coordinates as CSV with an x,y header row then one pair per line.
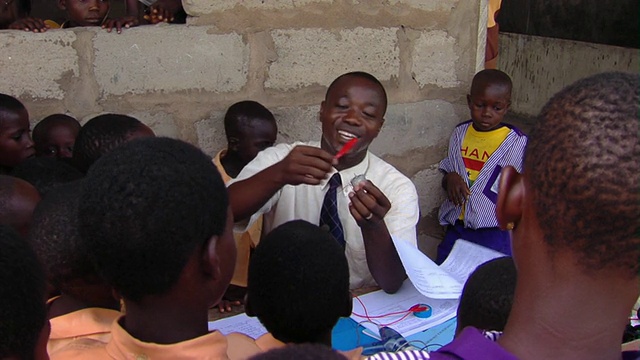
x,y
368,317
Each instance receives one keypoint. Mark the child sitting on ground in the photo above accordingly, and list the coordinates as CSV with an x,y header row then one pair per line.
x,y
302,266
487,296
55,135
18,200
478,149
15,141
104,133
155,213
86,307
24,328
250,128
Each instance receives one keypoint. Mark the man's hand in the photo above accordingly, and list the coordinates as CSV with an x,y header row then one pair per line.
x,y
305,165
368,204
457,189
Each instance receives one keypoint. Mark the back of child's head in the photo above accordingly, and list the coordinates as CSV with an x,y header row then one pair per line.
x,y
104,133
304,267
15,139
301,352
487,296
146,207
585,182
487,77
360,75
22,306
56,240
250,128
243,113
55,135
18,199
46,173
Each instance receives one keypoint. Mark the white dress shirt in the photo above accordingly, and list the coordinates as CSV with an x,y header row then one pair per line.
x,y
305,202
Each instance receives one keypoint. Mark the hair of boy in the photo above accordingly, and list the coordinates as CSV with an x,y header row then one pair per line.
x,y
242,114
22,287
306,351
585,182
9,104
362,75
56,239
42,128
100,135
490,76
45,173
304,267
146,207
487,295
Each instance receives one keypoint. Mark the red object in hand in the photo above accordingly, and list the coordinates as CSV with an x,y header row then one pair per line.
x,y
346,148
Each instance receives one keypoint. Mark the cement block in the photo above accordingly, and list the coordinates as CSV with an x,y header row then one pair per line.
x,y
202,7
161,123
210,133
317,56
35,65
168,59
434,60
428,5
300,123
415,125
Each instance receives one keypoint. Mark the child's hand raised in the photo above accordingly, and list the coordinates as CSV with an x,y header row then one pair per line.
x,y
163,11
369,205
457,189
29,24
305,165
120,23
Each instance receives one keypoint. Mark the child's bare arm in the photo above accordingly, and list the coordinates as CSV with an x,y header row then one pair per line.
x,y
368,206
29,24
456,187
303,165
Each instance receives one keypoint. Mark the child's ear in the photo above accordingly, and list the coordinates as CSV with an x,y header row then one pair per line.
x,y
62,4
510,198
469,100
321,112
210,262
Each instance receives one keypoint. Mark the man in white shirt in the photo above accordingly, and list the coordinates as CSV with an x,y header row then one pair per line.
x,y
289,181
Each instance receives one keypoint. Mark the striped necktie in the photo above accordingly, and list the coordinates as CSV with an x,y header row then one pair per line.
x,y
329,213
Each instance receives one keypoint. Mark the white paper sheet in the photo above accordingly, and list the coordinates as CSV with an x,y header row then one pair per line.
x,y
445,281
380,303
241,323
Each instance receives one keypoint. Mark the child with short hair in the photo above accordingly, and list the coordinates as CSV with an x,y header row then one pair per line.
x,y
155,213
46,173
24,328
18,200
55,135
478,149
15,139
302,266
86,307
487,296
310,181
104,133
250,128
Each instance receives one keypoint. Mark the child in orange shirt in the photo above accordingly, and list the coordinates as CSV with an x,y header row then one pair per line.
x,y
86,307
155,213
250,128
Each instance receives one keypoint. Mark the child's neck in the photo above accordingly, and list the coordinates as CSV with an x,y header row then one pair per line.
x,y
163,321
232,163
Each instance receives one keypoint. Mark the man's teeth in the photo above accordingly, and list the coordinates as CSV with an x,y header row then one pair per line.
x,y
347,135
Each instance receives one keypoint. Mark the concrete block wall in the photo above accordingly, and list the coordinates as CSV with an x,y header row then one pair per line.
x,y
541,66
179,79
